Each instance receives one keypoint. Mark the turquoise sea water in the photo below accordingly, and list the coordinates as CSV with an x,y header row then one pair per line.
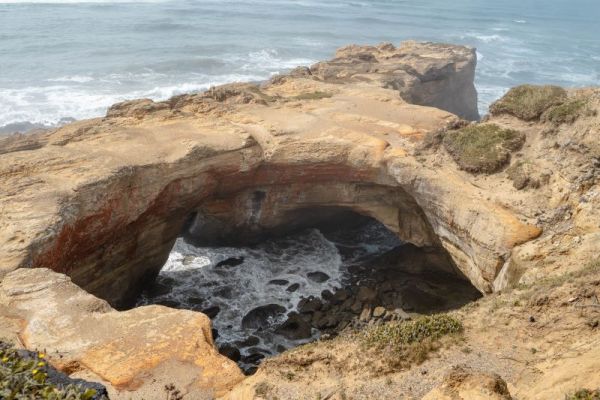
x,y
62,60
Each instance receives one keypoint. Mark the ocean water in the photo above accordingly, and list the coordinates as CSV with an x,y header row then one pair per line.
x,y
66,59
192,278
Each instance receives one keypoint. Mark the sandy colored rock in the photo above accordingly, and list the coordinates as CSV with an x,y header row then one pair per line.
x,y
131,351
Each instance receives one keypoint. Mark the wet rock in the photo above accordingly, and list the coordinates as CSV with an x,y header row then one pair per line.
x,y
211,312
259,350
326,295
366,294
169,303
278,282
281,348
195,300
230,352
357,307
294,328
215,333
309,305
230,262
250,371
261,317
293,287
248,342
318,276
158,289
225,292
340,296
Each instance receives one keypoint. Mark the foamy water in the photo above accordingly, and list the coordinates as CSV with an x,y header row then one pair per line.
x,y
268,270
71,59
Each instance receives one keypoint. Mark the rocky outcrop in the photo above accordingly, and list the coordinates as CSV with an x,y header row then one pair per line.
x,y
103,200
139,350
426,74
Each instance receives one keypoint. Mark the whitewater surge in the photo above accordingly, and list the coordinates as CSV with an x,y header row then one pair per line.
x,y
280,271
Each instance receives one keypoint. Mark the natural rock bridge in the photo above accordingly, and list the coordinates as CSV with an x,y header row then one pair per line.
x,y
104,200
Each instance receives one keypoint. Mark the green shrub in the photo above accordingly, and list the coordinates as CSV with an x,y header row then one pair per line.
x,y
584,394
396,336
482,147
566,113
528,102
26,378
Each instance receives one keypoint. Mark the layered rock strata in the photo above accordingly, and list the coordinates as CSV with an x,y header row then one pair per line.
x,y
103,200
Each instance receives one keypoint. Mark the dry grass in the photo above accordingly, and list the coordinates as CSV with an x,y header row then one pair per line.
x,y
568,112
318,95
529,102
584,394
482,148
406,343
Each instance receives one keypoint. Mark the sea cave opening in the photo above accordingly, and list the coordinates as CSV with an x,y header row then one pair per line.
x,y
331,269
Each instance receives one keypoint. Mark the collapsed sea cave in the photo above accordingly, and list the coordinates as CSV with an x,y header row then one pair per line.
x,y
325,270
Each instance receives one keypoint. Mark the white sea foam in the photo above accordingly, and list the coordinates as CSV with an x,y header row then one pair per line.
x,y
194,278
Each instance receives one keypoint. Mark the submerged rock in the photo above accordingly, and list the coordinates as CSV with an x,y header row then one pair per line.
x,y
262,317
230,262
278,282
318,276
211,312
293,287
230,352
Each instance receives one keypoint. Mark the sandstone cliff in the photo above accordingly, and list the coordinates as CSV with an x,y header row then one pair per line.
x,y
103,200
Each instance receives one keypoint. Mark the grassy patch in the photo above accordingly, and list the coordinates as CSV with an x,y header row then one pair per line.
x,y
593,267
411,341
584,394
528,102
313,96
26,378
482,147
566,113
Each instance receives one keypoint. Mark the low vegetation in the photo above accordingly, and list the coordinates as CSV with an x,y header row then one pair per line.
x,y
482,148
411,341
529,102
584,394
566,113
313,96
27,378
593,267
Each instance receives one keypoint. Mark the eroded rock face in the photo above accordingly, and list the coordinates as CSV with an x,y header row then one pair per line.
x,y
138,350
427,74
103,200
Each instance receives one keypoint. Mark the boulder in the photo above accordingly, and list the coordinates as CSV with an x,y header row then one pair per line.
x,y
295,328
318,276
230,262
262,317
138,349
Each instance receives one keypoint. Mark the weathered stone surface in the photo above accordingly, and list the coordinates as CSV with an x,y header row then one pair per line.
x,y
131,350
103,200
426,74
262,317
